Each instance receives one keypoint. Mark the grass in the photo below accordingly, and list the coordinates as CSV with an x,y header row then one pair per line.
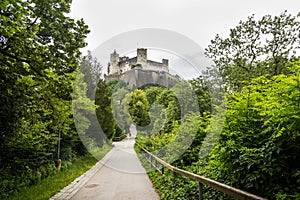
x,y
53,184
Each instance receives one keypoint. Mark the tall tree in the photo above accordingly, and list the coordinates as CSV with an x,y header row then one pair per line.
x,y
138,107
39,54
104,109
37,39
92,70
256,47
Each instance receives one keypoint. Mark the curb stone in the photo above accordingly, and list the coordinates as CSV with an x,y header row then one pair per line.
x,y
70,190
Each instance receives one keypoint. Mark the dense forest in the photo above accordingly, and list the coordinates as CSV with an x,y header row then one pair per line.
x,y
256,98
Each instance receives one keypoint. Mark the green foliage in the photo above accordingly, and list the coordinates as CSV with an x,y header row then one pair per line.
x,y
104,110
31,145
258,150
181,188
91,69
38,59
262,135
152,94
83,105
39,35
113,119
255,48
138,107
201,89
172,108
120,114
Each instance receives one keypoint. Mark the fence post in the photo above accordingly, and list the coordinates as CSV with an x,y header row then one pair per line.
x,y
200,191
162,170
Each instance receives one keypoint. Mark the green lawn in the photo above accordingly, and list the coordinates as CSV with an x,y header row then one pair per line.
x,y
53,184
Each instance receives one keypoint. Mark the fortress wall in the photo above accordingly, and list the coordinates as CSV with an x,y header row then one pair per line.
x,y
124,67
126,64
156,68
137,78
152,65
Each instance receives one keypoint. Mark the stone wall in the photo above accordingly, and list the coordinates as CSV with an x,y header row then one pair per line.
x,y
156,66
136,78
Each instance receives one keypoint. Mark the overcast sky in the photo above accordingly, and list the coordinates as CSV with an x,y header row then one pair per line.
x,y
200,20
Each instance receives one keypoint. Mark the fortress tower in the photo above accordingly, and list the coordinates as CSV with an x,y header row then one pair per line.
x,y
113,65
142,56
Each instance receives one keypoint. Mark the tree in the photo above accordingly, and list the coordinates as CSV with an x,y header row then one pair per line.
x,y
122,116
91,69
83,108
39,35
172,108
256,47
104,110
38,39
138,107
152,93
200,87
39,54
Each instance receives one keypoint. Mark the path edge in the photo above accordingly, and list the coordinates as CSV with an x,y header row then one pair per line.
x,y
70,190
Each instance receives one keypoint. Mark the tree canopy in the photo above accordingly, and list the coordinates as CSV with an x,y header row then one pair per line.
x,y
39,55
256,47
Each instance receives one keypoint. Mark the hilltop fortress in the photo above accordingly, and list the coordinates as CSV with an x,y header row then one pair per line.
x,y
139,71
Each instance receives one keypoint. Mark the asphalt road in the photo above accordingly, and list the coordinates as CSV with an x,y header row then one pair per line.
x,y
122,177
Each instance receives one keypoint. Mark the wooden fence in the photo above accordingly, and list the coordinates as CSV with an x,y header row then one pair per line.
x,y
231,191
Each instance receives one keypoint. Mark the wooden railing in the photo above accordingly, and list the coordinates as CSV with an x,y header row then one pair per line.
x,y
231,191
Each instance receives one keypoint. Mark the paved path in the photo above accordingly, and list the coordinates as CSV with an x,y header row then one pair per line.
x,y
120,175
